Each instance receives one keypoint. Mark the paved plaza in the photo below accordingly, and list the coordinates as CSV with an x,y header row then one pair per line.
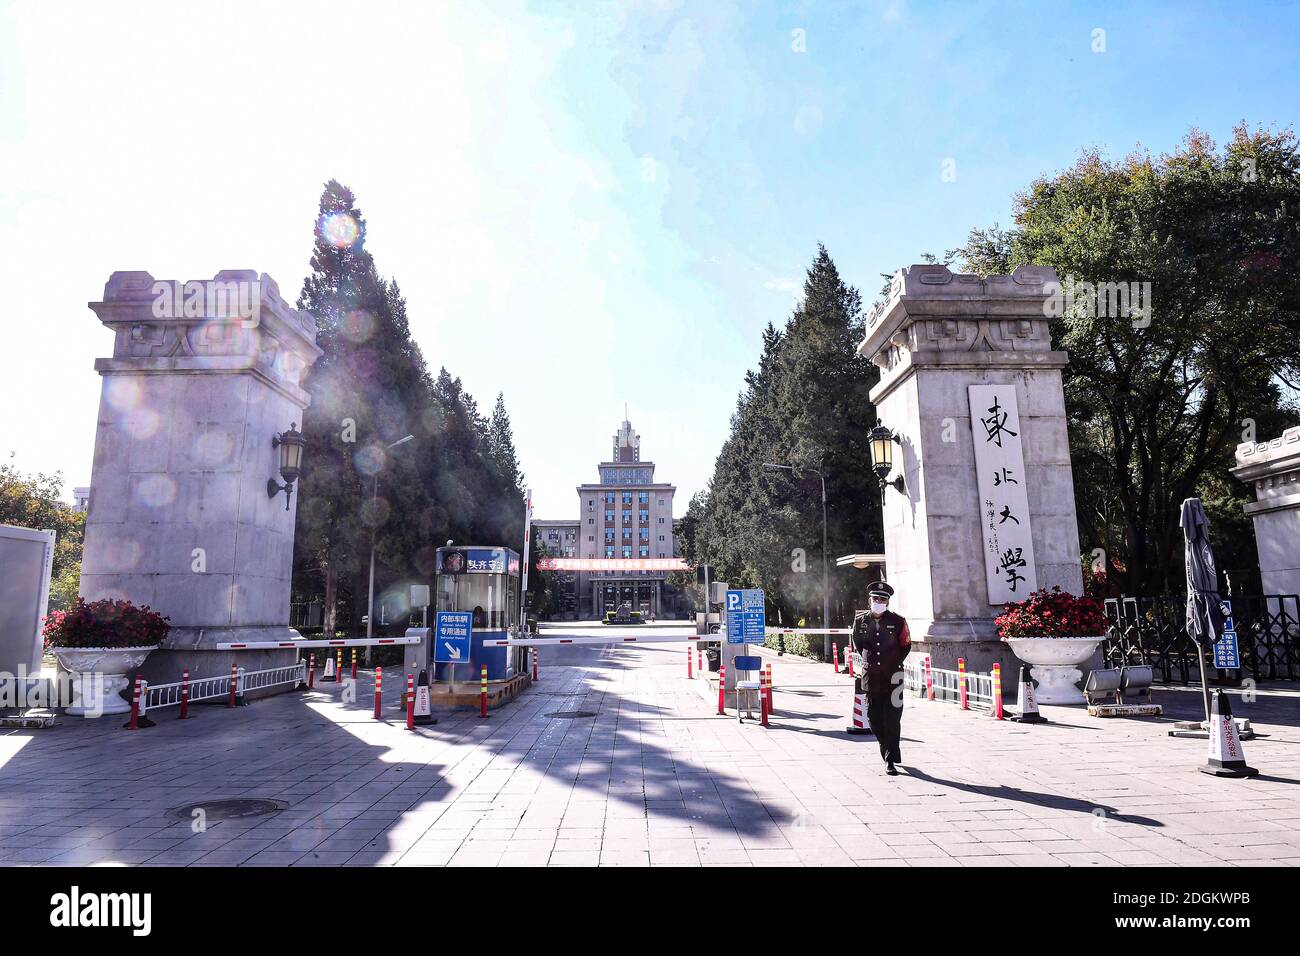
x,y
653,778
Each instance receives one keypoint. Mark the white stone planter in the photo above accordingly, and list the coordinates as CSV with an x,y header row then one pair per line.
x,y
1054,664
99,677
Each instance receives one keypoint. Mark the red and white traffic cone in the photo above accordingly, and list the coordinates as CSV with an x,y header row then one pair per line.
x,y
997,691
311,670
379,690
482,692
234,684
961,683
185,695
690,664
1026,703
423,702
859,726
1226,758
722,690
835,655
410,701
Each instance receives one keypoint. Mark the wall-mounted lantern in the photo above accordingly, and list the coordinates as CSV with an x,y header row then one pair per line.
x,y
291,444
882,457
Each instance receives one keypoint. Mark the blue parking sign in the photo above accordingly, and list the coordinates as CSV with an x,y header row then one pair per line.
x,y
746,616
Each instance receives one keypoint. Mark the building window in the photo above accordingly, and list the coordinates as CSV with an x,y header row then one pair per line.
x,y
627,551
591,537
609,552
627,517
644,517
591,521
627,533
645,552
661,537
609,534
609,516
627,497
644,497
661,502
661,520
609,497
645,534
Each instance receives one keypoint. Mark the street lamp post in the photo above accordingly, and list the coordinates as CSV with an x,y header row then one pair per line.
x,y
826,585
370,600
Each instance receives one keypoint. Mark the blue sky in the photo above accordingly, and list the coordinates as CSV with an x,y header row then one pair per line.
x,y
585,204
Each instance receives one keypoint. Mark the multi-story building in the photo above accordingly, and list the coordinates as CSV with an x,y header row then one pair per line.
x,y
627,514
560,539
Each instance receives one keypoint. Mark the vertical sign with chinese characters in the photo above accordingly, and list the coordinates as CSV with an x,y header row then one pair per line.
x,y
1003,503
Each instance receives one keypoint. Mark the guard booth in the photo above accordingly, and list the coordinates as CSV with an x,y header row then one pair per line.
x,y
485,582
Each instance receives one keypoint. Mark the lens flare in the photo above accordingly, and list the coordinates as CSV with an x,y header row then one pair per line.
x,y
340,230
370,460
156,491
358,326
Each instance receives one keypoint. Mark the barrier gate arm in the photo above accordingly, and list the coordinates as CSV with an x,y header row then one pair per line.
x,y
613,639
342,642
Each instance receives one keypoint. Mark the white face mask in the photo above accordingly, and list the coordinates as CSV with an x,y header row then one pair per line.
x,y
879,607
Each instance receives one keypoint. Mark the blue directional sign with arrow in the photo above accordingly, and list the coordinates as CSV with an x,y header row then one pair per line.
x,y
451,637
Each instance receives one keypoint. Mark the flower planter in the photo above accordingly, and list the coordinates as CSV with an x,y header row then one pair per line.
x,y
1054,664
99,677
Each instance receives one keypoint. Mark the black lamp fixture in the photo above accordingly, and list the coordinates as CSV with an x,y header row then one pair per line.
x,y
291,444
882,457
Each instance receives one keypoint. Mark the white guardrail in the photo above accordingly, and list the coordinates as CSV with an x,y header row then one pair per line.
x,y
947,684
211,688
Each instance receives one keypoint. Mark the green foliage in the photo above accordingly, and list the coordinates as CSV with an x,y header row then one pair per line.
x,y
1155,411
802,645
805,405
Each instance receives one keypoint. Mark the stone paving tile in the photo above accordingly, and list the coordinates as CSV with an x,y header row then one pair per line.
x,y
653,778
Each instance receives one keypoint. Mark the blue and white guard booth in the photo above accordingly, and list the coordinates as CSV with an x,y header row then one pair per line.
x,y
483,582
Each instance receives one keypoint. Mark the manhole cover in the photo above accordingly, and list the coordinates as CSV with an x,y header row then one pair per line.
x,y
569,714
236,809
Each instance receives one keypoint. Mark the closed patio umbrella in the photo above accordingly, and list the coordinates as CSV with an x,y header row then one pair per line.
x,y
1204,616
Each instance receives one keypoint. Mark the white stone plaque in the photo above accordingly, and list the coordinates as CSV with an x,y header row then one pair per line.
x,y
1003,502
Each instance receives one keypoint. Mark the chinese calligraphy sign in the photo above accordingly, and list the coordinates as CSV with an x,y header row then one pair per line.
x,y
1004,503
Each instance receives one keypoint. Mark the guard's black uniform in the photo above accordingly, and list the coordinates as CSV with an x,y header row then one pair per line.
x,y
883,642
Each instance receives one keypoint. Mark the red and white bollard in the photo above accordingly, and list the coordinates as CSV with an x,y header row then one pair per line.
x,y
690,664
764,696
997,691
771,707
482,692
929,680
379,690
699,661
835,655
311,670
410,701
536,677
961,681
134,722
234,684
185,694
338,664
848,653
722,690
354,663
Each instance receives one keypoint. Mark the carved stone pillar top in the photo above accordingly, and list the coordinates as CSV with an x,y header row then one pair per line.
x,y
235,321
934,316
1273,467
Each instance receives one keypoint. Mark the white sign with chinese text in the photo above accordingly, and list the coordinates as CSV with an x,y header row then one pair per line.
x,y
1004,505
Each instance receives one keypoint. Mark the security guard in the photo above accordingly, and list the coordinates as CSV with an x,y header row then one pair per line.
x,y
882,639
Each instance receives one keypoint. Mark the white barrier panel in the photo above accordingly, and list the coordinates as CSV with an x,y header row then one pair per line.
x,y
342,642
210,688
613,639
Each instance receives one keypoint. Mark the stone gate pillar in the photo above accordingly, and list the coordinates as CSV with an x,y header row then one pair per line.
x,y
1273,469
970,383
203,374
